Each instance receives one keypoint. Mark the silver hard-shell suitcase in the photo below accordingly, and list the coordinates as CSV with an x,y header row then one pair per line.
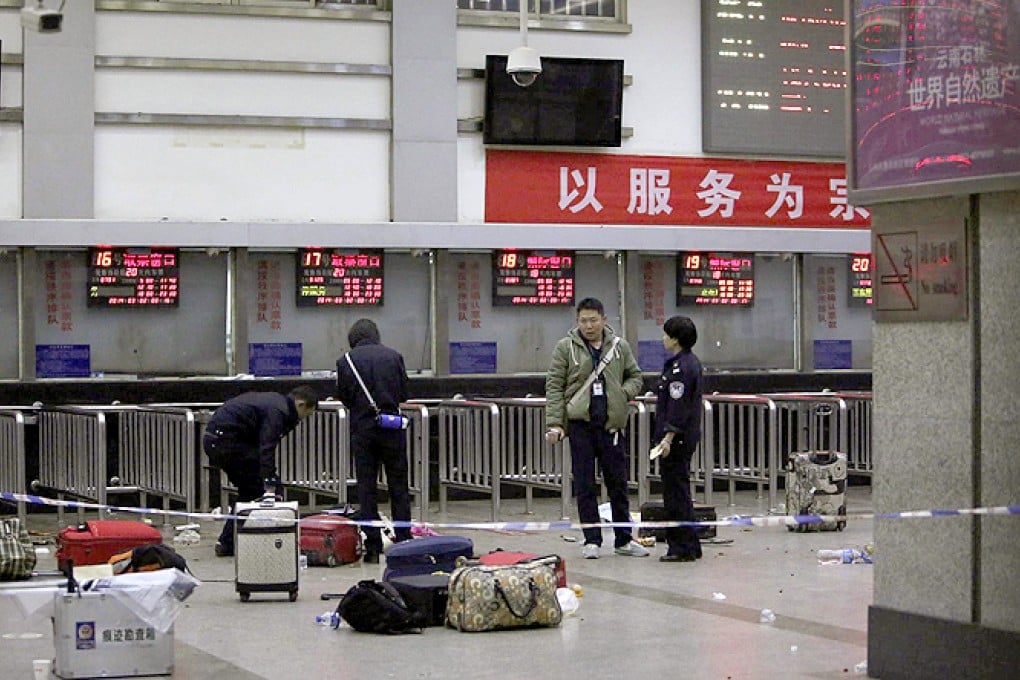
x,y
266,549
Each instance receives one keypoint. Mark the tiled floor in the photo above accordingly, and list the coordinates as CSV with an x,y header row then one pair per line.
x,y
638,617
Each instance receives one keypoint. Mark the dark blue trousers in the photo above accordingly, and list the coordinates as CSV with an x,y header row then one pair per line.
x,y
591,445
676,500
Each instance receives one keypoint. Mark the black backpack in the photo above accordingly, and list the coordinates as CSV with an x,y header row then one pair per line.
x,y
376,607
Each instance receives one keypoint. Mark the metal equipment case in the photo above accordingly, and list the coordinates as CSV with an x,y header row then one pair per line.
x,y
95,635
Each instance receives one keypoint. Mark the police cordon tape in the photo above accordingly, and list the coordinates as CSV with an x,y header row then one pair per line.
x,y
562,525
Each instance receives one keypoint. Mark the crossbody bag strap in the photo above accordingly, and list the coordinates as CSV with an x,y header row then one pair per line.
x,y
361,382
596,373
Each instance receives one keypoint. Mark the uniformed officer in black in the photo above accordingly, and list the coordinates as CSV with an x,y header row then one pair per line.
x,y
382,370
241,439
677,431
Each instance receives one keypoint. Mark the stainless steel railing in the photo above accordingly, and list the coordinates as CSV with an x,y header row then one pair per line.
x,y
469,449
13,421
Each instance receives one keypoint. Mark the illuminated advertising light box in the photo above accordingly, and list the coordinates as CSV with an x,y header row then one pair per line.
x,y
704,278
332,277
859,278
532,277
133,277
935,98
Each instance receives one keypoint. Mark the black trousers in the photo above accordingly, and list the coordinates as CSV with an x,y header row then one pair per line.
x,y
592,445
374,448
243,470
676,500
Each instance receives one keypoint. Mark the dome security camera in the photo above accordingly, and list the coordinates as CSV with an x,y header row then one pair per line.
x,y
524,66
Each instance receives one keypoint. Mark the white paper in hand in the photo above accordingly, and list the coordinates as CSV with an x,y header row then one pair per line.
x,y
657,450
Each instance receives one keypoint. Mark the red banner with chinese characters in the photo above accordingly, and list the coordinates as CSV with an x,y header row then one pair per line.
x,y
543,187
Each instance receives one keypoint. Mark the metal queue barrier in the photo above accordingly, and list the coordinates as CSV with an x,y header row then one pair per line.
x,y
469,449
314,456
648,471
527,459
156,452
740,443
811,421
73,455
858,409
13,421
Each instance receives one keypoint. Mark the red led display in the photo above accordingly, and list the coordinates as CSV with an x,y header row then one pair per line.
x,y
133,277
704,278
532,277
859,275
332,277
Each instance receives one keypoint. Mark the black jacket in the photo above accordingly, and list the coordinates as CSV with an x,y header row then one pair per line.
x,y
254,421
384,374
678,406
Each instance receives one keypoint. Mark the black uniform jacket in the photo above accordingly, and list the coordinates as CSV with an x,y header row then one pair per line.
x,y
678,405
384,374
254,421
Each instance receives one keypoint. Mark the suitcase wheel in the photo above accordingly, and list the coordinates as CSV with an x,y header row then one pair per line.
x,y
331,560
292,596
245,596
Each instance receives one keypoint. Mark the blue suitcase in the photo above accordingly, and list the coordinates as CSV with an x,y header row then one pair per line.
x,y
426,555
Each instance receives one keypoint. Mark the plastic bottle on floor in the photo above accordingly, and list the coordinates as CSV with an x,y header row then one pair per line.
x,y
330,619
844,556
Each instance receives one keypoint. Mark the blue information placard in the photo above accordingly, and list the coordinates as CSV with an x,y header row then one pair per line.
x,y
274,358
651,355
831,354
472,357
63,361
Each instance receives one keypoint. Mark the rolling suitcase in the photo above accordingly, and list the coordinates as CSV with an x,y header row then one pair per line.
x,y
329,540
266,549
425,594
653,511
96,541
816,485
426,555
497,557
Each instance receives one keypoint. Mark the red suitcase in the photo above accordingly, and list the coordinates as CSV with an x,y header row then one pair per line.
x,y
329,540
96,541
507,557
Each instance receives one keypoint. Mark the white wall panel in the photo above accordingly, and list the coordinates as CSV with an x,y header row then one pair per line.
x,y
162,34
242,93
152,172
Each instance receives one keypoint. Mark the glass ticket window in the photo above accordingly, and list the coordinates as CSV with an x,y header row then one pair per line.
x,y
837,312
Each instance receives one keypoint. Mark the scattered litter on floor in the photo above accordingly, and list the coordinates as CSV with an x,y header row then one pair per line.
x,y
861,668
718,596
793,649
187,537
767,616
568,538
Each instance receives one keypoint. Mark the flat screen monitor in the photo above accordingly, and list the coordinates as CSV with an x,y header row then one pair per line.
x,y
574,102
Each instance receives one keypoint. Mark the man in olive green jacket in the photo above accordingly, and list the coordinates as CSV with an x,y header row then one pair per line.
x,y
592,377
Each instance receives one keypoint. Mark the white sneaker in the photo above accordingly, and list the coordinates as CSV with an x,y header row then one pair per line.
x,y
632,549
590,551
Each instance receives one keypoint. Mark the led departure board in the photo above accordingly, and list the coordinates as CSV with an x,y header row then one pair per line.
x,y
774,77
859,278
704,278
532,277
133,277
339,277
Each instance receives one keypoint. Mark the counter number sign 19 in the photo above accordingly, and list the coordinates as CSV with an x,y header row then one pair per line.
x,y
707,278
